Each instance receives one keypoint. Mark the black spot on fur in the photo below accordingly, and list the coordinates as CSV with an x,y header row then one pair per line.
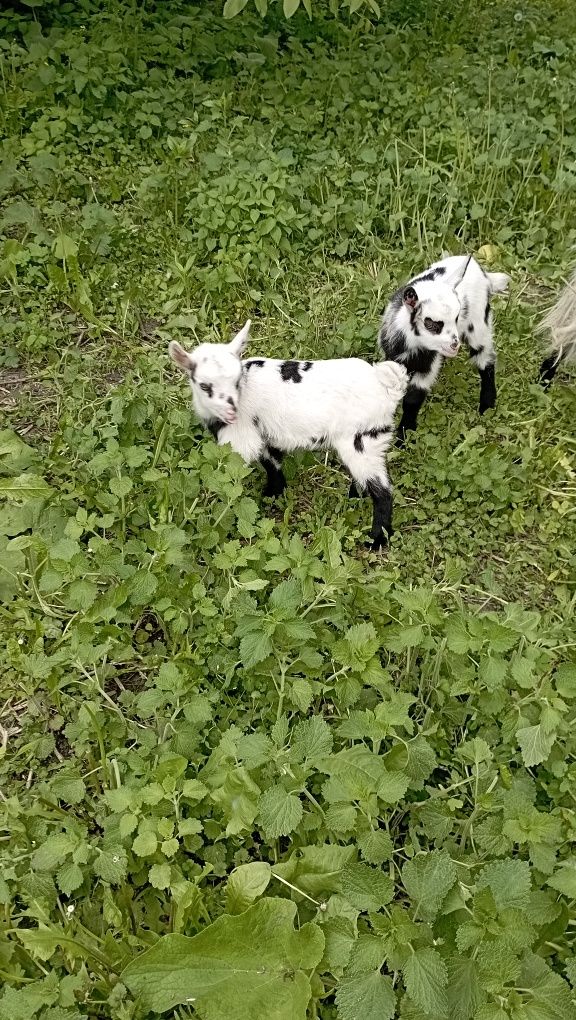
x,y
420,361
290,371
215,427
470,327
306,366
487,312
473,351
465,307
275,453
254,363
431,275
256,422
394,345
370,434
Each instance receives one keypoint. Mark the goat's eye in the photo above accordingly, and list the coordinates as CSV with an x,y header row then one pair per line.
x,y
432,326
206,387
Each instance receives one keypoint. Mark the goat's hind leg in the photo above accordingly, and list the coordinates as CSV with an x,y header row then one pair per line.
x,y
483,356
271,460
549,367
368,469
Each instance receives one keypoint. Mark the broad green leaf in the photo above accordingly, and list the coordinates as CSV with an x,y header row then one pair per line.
x,y
367,997
159,876
65,247
68,788
69,877
463,990
565,680
311,738
366,888
238,967
564,879
290,7
245,885
306,946
341,817
509,882
317,870
25,486
426,977
111,865
393,786
254,648
535,744
233,7
427,880
280,812
368,953
339,934
286,598
376,847
145,844
53,851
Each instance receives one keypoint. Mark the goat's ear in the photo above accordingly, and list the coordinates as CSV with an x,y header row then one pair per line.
x,y
410,297
238,344
181,357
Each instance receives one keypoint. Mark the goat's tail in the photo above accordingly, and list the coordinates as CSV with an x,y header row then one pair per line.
x,y
498,282
394,379
560,322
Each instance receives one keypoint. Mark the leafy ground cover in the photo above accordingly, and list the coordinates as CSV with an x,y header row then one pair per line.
x,y
248,771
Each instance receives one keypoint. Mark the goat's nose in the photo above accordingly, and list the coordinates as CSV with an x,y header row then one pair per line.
x,y
455,345
231,402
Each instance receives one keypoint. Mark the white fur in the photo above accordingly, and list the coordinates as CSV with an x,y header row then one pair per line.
x,y
334,404
560,323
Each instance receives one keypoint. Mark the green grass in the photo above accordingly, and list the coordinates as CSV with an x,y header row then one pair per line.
x,y
193,682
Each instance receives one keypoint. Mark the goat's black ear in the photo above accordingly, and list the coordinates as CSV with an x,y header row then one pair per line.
x,y
410,297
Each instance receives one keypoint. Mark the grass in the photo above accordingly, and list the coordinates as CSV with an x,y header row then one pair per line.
x,y
168,174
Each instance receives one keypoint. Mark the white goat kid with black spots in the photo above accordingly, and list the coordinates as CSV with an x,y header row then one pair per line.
x,y
265,408
430,316
560,324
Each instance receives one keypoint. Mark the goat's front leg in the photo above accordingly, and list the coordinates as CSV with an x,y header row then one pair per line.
x,y
411,405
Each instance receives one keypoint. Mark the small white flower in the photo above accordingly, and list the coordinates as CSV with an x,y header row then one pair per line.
x,y
518,16
70,909
20,640
114,286
115,858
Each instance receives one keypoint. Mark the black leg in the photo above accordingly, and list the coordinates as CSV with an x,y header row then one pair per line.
x,y
275,480
548,369
487,388
411,404
353,491
382,512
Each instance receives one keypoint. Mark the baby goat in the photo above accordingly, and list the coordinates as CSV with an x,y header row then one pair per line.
x,y
427,319
265,408
560,323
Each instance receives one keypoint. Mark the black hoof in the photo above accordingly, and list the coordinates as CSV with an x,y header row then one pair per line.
x,y
273,491
353,492
379,543
488,406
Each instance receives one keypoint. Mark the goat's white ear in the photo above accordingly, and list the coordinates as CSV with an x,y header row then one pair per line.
x,y
237,345
181,357
410,297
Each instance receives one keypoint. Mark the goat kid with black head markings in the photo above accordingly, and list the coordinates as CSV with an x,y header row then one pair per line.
x,y
430,316
265,407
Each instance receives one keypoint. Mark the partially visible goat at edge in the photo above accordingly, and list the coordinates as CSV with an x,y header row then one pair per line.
x,y
265,407
428,318
560,324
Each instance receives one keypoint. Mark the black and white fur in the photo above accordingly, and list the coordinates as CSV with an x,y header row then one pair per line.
x,y
430,316
560,324
265,407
